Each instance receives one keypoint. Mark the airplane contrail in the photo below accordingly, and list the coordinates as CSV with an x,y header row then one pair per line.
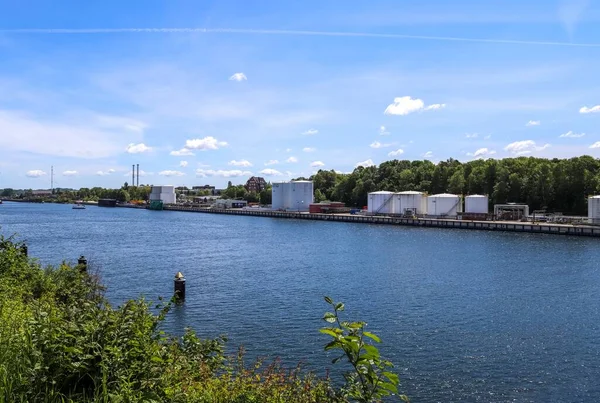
x,y
243,31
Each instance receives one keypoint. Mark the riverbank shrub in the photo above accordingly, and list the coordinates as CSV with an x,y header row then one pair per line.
x,y
61,341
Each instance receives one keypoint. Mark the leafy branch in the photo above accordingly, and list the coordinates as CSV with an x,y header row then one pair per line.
x,y
370,379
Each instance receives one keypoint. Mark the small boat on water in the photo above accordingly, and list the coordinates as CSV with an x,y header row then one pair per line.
x,y
78,206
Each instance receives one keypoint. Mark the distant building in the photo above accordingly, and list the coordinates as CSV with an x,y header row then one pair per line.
x,y
256,184
227,203
41,192
210,188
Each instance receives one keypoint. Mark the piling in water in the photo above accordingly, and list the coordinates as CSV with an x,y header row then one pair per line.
x,y
179,284
82,263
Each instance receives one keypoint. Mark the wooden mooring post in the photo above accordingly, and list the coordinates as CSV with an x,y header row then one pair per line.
x,y
82,263
179,284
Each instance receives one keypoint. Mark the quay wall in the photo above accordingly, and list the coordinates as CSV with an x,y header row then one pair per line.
x,y
511,226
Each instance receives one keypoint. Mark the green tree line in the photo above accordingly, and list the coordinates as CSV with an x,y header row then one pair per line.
x,y
557,185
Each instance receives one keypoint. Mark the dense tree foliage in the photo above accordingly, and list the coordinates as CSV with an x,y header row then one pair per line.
x,y
558,185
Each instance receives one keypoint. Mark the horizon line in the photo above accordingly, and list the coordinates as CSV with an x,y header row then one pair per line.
x,y
83,31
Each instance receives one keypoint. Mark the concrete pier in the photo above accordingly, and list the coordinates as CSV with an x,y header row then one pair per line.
x,y
511,226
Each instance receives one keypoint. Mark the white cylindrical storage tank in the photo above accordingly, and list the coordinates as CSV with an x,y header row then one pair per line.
x,y
301,195
477,204
412,201
294,196
277,195
380,202
594,209
444,205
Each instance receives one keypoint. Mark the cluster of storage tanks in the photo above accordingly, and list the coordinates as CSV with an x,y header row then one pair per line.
x,y
294,195
418,203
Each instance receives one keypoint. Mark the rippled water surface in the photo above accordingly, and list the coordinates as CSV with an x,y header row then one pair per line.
x,y
465,315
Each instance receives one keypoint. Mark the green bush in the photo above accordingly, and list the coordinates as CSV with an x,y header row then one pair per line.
x,y
61,341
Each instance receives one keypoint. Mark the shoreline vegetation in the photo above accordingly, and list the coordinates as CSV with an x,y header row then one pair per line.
x,y
555,185
62,341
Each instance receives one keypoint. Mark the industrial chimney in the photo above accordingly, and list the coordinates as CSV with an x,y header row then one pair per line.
x,y
138,174
133,175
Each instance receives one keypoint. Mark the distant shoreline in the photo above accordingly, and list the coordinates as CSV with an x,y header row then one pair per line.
x,y
506,226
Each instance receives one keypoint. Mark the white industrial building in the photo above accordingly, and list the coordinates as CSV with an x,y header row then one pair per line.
x,y
381,202
410,202
444,205
478,204
294,195
594,209
228,203
166,194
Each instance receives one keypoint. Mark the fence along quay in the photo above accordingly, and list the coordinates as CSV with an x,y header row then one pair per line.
x,y
510,226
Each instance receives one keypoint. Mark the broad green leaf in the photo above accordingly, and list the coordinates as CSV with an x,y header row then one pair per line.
x,y
372,337
329,317
332,344
389,386
392,377
329,331
339,306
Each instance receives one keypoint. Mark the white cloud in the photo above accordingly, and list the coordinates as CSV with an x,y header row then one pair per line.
x,y
202,173
69,173
396,153
377,144
36,173
489,136
206,143
182,153
593,109
310,132
383,131
482,152
238,77
317,164
137,148
183,164
533,123
104,173
309,149
291,160
472,135
271,162
428,155
288,150
240,163
271,172
171,173
595,145
367,163
405,105
571,134
524,147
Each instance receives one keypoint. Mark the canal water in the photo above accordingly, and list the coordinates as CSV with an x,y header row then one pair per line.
x,y
465,315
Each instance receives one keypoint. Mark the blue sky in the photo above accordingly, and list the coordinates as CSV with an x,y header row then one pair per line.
x,y
212,91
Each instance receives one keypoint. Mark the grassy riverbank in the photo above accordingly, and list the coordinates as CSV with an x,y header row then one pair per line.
x,y
61,341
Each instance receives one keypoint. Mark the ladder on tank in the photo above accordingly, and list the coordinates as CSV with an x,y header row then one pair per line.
x,y
384,204
452,208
